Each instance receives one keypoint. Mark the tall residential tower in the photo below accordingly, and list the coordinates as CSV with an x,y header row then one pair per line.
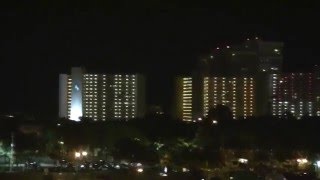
x,y
101,96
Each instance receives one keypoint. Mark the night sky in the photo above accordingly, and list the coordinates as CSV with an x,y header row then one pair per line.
x,y
38,43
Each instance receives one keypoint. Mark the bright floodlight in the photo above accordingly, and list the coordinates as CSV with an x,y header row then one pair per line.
x,y
165,169
302,161
84,153
140,170
318,164
77,154
139,164
76,112
243,161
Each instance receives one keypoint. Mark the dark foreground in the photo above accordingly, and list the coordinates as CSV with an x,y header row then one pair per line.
x,y
85,176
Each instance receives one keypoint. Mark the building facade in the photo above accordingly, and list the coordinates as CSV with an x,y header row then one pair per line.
x,y
296,93
101,96
238,93
184,99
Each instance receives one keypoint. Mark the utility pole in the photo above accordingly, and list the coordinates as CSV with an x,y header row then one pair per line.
x,y
12,152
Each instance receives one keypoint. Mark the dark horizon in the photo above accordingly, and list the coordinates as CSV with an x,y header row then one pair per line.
x,y
38,45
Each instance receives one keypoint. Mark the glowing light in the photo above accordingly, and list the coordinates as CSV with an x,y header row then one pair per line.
x,y
185,170
84,153
163,174
139,170
243,161
302,161
77,154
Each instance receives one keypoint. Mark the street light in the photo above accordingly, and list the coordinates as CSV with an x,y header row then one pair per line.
x,y
77,154
84,153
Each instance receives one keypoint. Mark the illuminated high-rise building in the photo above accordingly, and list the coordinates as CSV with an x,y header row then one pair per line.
x,y
101,96
238,93
184,99
248,58
248,63
296,93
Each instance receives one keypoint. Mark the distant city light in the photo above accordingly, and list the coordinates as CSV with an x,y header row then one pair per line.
x,y
165,169
140,170
302,161
77,154
243,161
185,170
84,153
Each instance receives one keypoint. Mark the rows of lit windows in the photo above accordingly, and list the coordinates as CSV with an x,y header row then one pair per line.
x,y
274,78
90,96
215,96
69,90
292,93
234,97
206,95
224,91
187,99
248,97
124,96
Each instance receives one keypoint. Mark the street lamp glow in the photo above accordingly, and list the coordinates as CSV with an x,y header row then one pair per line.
x,y
243,161
302,161
77,154
165,169
139,170
84,153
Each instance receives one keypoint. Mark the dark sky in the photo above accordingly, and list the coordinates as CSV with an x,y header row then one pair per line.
x,y
39,41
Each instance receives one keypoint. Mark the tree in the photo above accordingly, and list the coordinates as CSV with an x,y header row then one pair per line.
x,y
135,150
220,113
